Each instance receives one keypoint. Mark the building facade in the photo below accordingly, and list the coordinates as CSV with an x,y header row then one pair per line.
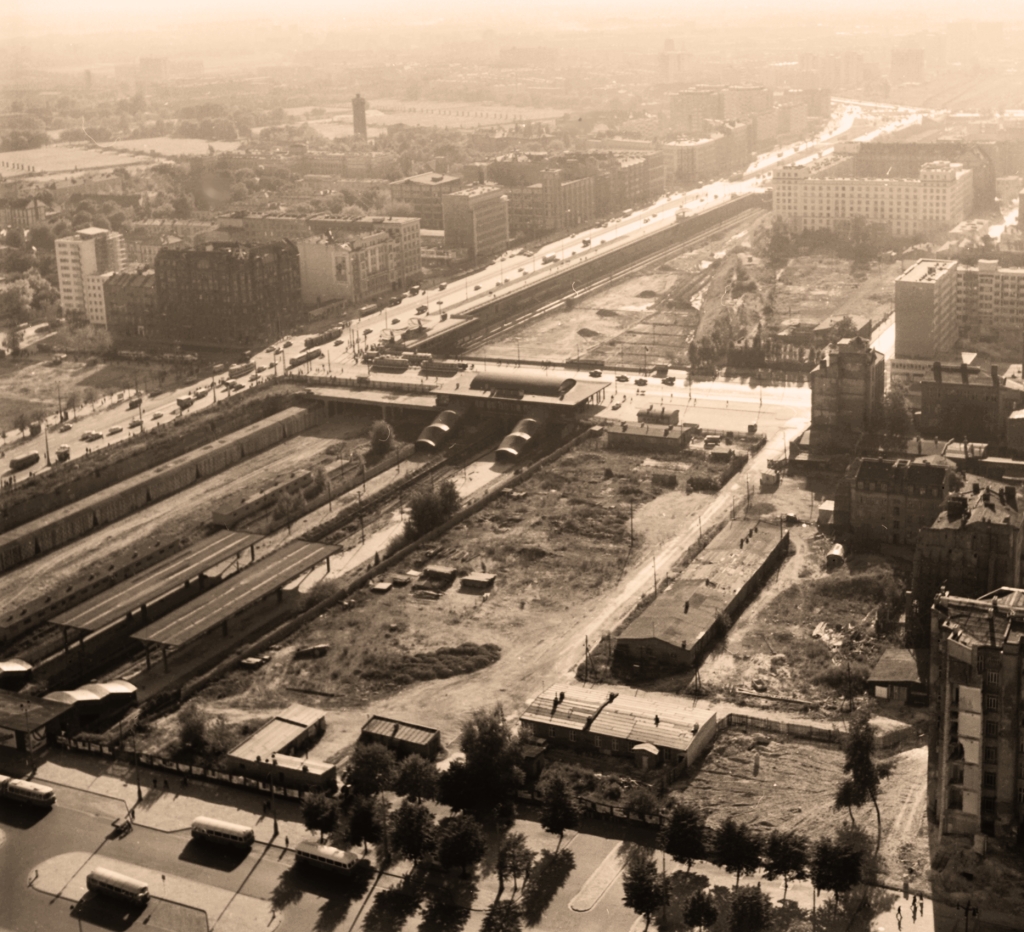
x,y
359,116
846,391
925,310
88,253
130,299
970,405
978,692
939,198
425,192
22,212
990,299
403,232
227,295
476,220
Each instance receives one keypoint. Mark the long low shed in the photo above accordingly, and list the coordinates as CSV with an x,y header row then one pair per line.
x,y
243,589
156,582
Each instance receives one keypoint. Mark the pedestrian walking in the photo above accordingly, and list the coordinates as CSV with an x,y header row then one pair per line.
x,y
286,841
913,911
899,918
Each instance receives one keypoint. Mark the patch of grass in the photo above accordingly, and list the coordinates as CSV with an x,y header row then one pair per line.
x,y
440,664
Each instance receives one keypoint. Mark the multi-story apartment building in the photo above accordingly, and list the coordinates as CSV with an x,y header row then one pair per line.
x,y
830,197
552,204
357,269
741,100
476,220
846,392
403,232
131,304
359,115
972,546
230,295
969,405
425,192
978,690
22,212
690,160
925,310
990,299
88,252
145,238
889,502
688,109
264,228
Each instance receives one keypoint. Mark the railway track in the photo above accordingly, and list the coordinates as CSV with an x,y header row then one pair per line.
x,y
634,268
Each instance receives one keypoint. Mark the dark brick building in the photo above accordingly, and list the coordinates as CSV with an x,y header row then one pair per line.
x,y
131,305
226,294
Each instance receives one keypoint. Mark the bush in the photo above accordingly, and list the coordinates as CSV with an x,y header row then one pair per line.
x,y
837,677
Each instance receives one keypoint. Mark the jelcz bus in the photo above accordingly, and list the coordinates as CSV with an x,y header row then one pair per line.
x,y
25,791
305,357
222,833
23,462
243,368
308,852
111,883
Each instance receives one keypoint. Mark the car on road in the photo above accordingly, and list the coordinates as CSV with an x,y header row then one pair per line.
x,y
254,377
595,373
287,344
116,429
202,392
64,428
476,287
617,405
639,381
519,270
394,302
135,422
260,369
155,392
90,435
621,378
669,380
157,416
395,322
336,343
270,349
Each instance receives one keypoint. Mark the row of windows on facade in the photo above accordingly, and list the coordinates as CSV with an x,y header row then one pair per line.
x,y
922,491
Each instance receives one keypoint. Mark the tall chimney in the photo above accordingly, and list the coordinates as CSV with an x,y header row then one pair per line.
x,y
937,370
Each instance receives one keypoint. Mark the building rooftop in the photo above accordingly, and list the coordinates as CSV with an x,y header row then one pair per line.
x,y
900,474
21,713
989,505
429,179
399,731
994,620
640,718
927,270
278,733
896,665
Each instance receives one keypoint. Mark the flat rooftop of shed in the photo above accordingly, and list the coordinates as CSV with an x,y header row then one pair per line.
x,y
23,713
243,589
400,731
154,583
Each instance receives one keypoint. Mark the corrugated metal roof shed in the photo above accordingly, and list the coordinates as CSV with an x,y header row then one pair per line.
x,y
273,736
301,715
400,731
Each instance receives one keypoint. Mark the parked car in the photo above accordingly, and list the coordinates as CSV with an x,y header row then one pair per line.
x,y
621,378
336,343
639,381
669,380
90,435
617,405
116,429
595,373
64,428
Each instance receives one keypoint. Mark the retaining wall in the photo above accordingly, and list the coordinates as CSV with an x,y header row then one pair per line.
x,y
74,521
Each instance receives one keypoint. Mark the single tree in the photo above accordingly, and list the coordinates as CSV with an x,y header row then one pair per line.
x,y
412,831
371,769
503,916
416,778
865,774
848,795
364,823
643,886
192,727
736,848
683,836
642,801
751,910
785,856
381,437
492,770
835,866
559,811
319,814
21,422
460,842
515,858
701,912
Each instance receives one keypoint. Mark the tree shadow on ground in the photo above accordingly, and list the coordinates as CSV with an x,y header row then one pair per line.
x,y
447,906
391,909
790,916
681,886
345,889
288,889
853,911
547,877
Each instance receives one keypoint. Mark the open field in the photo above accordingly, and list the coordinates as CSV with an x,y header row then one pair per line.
x,y
814,288
170,146
65,159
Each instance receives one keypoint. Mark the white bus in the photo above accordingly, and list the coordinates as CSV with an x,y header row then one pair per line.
x,y
309,852
23,791
224,833
111,883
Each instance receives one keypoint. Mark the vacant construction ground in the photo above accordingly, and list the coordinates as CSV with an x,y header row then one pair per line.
x,y
556,551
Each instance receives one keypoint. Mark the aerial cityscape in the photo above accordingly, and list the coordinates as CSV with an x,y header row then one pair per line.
x,y
552,469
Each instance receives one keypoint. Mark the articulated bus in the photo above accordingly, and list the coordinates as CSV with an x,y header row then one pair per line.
x,y
309,852
222,833
121,886
24,791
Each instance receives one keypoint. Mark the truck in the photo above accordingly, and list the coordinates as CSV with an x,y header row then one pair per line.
x,y
17,463
550,257
135,402
184,401
63,453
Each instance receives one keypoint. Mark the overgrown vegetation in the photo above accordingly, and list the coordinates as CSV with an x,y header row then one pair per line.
x,y
400,669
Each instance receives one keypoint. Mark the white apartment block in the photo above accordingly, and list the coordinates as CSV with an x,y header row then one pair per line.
x,y
82,258
990,299
934,202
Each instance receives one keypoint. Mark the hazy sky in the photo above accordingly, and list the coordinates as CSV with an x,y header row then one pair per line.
x,y
34,16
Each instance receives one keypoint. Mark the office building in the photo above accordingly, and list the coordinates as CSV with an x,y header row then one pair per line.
x,y
88,252
359,116
476,220
846,392
424,192
552,204
977,691
925,310
227,295
828,198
